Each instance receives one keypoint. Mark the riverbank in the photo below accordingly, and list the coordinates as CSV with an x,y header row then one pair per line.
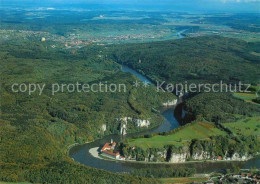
x,y
164,126
74,145
71,146
83,155
95,153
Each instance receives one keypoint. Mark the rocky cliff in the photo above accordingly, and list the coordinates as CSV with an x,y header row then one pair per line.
x,y
216,148
125,121
180,157
170,102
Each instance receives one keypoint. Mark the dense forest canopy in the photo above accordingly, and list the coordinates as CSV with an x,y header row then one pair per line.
x,y
201,59
36,130
219,107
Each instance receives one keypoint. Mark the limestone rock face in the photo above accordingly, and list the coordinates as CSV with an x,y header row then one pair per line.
x,y
123,128
104,127
142,123
238,157
203,155
151,158
123,125
162,154
138,123
178,157
170,103
184,154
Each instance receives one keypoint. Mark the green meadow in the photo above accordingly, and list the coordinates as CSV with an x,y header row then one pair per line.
x,y
245,96
249,97
199,130
247,126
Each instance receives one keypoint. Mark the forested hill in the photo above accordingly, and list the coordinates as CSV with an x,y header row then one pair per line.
x,y
219,108
200,59
36,130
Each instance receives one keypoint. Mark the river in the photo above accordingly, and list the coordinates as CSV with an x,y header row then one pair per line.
x,y
80,153
135,73
178,34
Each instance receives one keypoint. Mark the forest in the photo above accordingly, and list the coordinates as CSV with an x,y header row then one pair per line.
x,y
170,172
218,107
208,59
36,130
199,60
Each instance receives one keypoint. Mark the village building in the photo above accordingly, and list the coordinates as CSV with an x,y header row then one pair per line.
x,y
113,155
109,146
108,150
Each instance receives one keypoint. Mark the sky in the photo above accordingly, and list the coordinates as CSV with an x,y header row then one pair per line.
x,y
174,5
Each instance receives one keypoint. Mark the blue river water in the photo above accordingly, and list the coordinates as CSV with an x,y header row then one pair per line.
x,y
135,73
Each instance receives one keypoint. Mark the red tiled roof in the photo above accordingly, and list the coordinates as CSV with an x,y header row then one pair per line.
x,y
219,158
111,153
108,145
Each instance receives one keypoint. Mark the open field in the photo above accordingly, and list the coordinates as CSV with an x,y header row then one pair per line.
x,y
198,130
248,97
247,126
245,96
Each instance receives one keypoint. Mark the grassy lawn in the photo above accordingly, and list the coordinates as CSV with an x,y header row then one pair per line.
x,y
247,126
182,180
248,97
198,130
